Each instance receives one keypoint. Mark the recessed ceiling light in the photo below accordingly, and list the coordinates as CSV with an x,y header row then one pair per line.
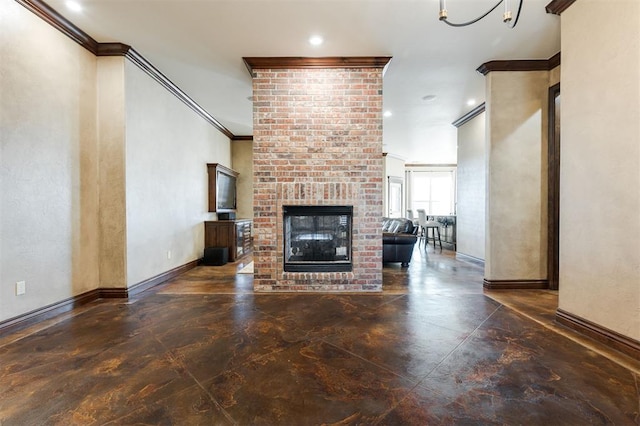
x,y
315,40
471,102
429,98
387,114
74,6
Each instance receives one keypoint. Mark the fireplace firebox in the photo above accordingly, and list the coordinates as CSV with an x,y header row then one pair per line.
x,y
317,238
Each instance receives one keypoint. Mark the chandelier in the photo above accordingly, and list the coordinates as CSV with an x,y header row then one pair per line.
x,y
507,16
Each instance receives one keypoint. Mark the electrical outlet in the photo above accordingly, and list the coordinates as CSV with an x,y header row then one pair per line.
x,y
21,288
168,254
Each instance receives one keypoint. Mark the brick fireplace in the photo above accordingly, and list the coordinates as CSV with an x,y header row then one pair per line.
x,y
317,142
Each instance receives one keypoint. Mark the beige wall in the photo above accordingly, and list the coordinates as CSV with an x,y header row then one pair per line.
x,y
471,187
600,165
167,150
102,171
48,164
242,162
111,146
516,182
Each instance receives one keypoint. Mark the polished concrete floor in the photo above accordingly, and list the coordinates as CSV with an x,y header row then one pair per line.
x,y
203,349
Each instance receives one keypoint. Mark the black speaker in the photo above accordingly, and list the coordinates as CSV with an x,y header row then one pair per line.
x,y
215,256
227,216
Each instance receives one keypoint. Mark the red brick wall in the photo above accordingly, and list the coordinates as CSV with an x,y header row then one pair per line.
x,y
317,141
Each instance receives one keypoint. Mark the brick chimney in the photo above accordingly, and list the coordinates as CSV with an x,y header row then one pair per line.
x,y
317,142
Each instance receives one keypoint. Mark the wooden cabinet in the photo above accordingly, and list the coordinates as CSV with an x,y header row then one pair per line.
x,y
233,234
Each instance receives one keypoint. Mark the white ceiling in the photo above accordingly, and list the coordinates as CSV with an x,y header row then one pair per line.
x,y
199,45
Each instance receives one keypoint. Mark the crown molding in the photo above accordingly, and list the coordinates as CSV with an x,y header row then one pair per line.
x,y
164,81
470,115
290,62
517,65
554,61
112,49
53,18
396,156
242,138
558,6
520,65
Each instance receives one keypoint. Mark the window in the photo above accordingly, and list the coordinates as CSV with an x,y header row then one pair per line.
x,y
433,189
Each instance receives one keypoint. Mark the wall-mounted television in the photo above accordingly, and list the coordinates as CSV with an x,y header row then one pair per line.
x,y
222,188
225,192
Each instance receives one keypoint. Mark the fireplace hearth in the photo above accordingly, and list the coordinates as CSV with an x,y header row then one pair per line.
x,y
317,238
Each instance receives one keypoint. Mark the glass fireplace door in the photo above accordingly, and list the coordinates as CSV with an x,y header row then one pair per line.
x,y
317,238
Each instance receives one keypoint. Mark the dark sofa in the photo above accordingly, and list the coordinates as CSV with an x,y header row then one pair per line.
x,y
398,239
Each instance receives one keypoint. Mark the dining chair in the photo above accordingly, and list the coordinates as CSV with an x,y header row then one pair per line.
x,y
425,226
